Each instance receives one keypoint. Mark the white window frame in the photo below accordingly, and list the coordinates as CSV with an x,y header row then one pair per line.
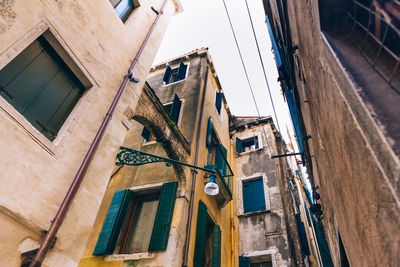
x,y
240,193
256,256
177,67
260,144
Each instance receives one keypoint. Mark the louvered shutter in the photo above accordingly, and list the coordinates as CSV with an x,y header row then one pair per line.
x,y
176,107
209,132
253,195
218,101
113,222
239,148
181,72
146,134
244,261
216,247
167,74
303,235
220,160
201,231
162,223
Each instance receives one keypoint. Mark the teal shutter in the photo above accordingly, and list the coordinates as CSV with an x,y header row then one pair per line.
x,y
181,72
162,223
218,101
113,222
209,132
303,235
253,195
216,247
176,107
167,74
239,148
146,134
200,245
244,261
220,159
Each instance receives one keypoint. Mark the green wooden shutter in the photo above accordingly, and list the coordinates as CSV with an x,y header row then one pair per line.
x,y
244,261
146,134
209,132
239,148
181,72
113,222
167,74
162,223
216,247
220,159
176,107
218,101
200,246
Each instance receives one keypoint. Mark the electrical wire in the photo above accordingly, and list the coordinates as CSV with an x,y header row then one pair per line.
x,y
244,66
263,68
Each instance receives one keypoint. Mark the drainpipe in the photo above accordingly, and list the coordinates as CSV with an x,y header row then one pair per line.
x,y
196,156
63,209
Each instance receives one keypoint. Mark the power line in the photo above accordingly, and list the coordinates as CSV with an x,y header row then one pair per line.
x,y
244,66
263,68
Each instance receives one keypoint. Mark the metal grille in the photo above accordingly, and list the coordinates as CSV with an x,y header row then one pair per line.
x,y
375,31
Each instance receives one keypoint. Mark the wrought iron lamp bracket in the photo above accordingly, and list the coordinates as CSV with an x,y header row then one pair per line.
x,y
133,157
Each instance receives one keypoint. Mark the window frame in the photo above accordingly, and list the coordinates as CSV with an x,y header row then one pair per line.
x,y
260,144
240,194
67,56
128,11
176,66
262,256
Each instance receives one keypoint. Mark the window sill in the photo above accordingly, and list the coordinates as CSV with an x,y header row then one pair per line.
x,y
248,214
165,85
134,256
247,152
149,143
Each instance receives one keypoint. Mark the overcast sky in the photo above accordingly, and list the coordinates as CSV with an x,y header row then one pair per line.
x,y
205,24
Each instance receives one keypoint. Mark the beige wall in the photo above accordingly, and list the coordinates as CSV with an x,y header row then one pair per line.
x,y
36,173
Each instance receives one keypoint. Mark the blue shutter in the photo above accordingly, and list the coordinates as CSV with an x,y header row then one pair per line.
x,y
209,132
176,107
244,261
167,74
162,223
239,148
181,72
293,113
218,101
201,232
253,195
216,246
274,44
113,222
146,134
303,235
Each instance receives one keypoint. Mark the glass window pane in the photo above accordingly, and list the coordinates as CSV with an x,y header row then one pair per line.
x,y
142,226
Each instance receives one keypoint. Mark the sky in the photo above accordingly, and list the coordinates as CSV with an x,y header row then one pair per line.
x,y
205,24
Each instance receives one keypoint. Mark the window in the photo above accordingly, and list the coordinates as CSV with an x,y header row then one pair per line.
x,y
208,236
264,258
124,7
40,86
248,144
173,109
216,157
137,222
176,74
253,195
261,264
218,101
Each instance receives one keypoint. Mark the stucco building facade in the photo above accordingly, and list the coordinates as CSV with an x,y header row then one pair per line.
x,y
61,63
191,98
339,61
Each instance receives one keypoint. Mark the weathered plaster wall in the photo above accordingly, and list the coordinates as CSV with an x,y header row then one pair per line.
x,y
36,173
265,230
354,162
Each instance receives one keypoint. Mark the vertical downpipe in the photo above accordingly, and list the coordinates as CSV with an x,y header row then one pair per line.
x,y
196,156
63,209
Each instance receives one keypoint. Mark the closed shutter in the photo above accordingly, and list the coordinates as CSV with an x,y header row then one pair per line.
x,y
216,247
201,231
112,224
146,134
221,160
303,235
209,132
244,261
162,223
218,101
167,74
239,145
176,107
181,72
253,195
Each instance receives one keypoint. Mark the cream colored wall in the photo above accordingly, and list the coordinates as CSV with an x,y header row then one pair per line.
x,y
36,173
